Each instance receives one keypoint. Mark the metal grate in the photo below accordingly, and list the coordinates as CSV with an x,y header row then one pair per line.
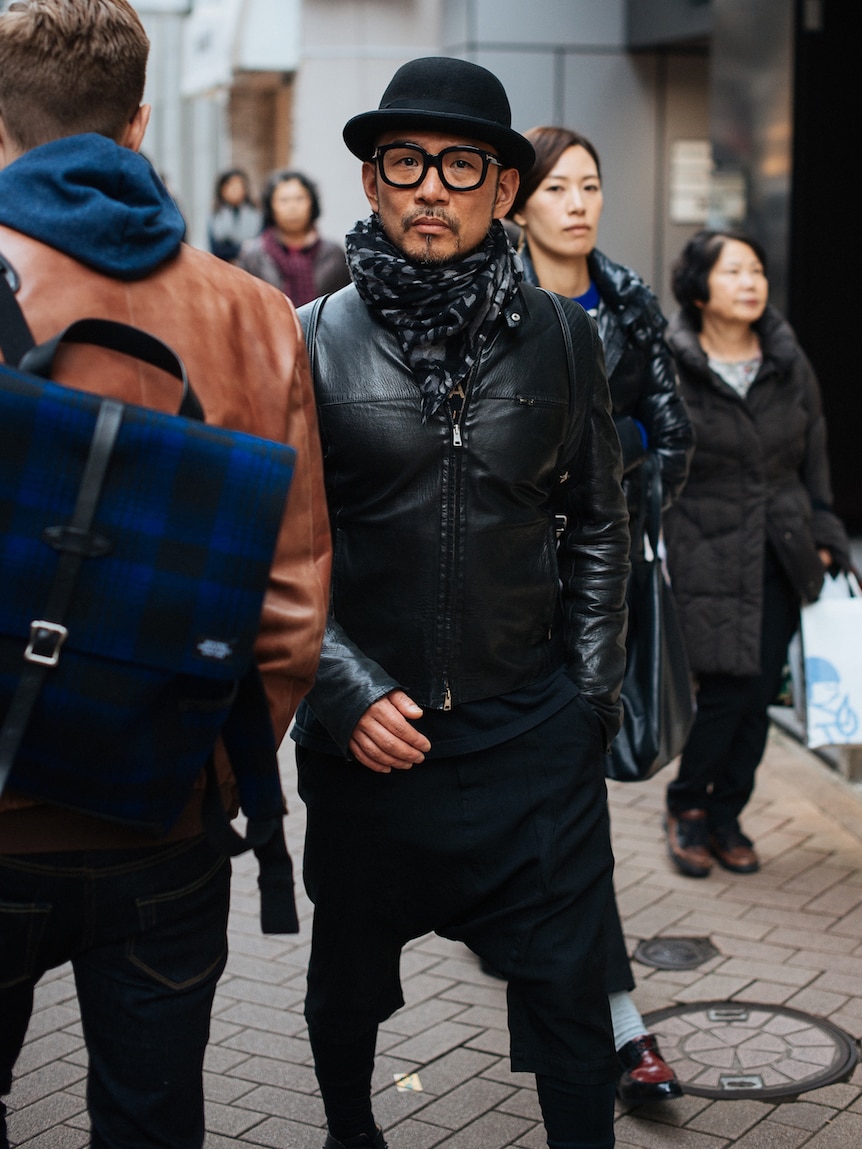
x,y
675,953
733,1049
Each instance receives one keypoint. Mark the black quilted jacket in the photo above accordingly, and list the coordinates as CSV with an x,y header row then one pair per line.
x,y
760,471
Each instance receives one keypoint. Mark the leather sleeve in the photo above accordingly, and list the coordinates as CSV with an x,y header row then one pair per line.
x,y
348,683
593,558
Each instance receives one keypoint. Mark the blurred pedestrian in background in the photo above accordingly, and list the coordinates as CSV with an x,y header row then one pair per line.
x,y
235,216
289,253
750,537
558,208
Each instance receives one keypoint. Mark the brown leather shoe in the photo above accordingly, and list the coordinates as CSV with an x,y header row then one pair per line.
x,y
688,842
733,850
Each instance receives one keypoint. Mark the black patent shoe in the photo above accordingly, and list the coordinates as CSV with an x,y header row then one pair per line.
x,y
646,1075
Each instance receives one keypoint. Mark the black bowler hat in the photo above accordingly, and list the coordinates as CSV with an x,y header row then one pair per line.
x,y
444,94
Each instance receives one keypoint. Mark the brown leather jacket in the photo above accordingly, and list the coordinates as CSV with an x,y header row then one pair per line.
x,y
242,346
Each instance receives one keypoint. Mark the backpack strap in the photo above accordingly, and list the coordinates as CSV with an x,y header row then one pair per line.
x,y
311,331
579,370
250,744
47,634
16,338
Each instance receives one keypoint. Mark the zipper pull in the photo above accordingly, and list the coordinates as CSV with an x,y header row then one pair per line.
x,y
447,699
456,406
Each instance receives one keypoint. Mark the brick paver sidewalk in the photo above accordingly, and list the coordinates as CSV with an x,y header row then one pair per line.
x,y
790,935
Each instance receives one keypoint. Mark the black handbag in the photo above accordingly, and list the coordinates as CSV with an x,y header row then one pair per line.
x,y
657,694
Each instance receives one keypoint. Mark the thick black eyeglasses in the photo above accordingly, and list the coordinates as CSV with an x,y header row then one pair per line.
x,y
460,168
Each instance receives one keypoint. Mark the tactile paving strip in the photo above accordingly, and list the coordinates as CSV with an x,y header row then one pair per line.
x,y
732,1049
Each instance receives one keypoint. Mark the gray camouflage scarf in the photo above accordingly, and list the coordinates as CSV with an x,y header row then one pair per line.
x,y
442,314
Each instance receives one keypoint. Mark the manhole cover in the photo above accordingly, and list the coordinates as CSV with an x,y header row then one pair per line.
x,y
733,1049
675,953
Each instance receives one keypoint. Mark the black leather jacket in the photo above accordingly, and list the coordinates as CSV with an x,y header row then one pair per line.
x,y
641,374
447,580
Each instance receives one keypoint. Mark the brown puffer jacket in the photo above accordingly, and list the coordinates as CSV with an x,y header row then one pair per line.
x,y
242,346
760,472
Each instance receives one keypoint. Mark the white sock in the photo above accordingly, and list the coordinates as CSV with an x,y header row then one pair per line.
x,y
625,1016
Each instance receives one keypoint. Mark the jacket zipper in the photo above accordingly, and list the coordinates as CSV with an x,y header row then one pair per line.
x,y
456,408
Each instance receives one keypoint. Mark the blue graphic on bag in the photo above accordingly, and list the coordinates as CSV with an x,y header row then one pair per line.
x,y
829,708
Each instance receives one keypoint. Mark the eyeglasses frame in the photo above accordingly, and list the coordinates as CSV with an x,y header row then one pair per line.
x,y
434,161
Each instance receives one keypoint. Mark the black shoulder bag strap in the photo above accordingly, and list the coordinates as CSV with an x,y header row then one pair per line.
x,y
578,357
311,334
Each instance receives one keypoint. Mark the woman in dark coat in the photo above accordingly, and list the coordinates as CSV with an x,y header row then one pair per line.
x,y
750,537
558,208
290,253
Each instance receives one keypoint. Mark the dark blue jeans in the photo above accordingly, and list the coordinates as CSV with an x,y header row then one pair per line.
x,y
146,933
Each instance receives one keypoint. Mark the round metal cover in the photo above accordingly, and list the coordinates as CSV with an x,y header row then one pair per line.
x,y
675,953
732,1049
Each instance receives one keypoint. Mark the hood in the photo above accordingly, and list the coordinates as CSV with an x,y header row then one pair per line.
x,y
102,204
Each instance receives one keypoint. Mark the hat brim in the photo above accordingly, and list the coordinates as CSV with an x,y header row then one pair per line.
x,y
361,133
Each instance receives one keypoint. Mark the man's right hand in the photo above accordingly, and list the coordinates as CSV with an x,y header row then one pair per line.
x,y
383,738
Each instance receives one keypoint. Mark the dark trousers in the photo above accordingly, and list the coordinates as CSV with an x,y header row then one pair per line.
x,y
728,739
505,849
618,969
146,933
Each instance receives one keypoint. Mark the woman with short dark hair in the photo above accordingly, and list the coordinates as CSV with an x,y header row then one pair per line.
x,y
289,253
749,539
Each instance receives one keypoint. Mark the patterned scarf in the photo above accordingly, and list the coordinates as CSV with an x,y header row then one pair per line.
x,y
442,314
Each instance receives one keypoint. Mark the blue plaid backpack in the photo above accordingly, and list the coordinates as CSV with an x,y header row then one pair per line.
x,y
135,549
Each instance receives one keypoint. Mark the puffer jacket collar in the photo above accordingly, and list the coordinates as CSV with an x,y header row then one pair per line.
x,y
777,343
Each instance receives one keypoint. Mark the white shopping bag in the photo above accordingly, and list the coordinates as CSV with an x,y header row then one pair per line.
x,y
831,632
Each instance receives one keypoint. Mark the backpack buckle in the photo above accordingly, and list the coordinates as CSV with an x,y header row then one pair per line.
x,y
46,638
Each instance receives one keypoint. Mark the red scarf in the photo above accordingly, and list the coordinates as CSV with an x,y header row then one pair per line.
x,y
295,265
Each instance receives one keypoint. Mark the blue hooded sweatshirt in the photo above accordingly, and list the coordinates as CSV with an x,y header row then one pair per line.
x,y
101,204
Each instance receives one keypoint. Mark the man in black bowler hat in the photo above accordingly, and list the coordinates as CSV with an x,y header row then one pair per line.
x,y
450,753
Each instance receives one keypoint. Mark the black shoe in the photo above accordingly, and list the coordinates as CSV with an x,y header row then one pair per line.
x,y
363,1141
647,1076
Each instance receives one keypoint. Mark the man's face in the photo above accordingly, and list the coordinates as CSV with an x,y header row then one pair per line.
x,y
430,223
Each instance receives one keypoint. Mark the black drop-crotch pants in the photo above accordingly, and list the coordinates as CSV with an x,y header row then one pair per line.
x,y
505,849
